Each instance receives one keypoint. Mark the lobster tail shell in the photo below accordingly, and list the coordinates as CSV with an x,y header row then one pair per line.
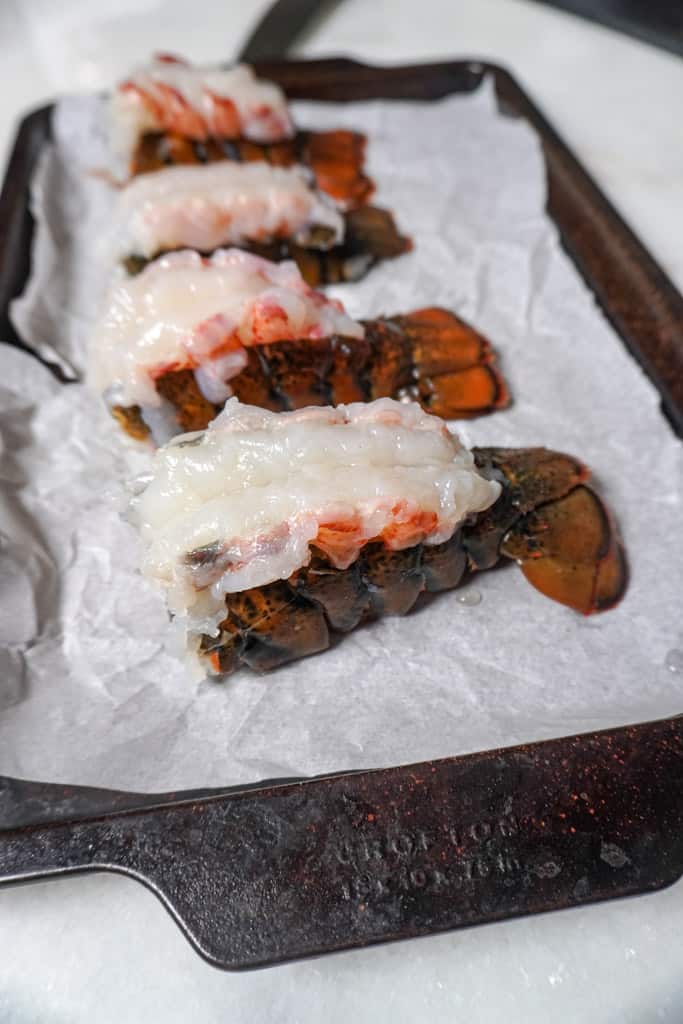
x,y
259,626
454,366
370,236
553,525
530,477
569,550
287,620
546,518
430,356
335,158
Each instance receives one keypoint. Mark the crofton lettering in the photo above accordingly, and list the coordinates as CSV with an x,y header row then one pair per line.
x,y
371,866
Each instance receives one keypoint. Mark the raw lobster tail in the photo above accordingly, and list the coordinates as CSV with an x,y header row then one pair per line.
x,y
335,158
370,236
430,356
546,518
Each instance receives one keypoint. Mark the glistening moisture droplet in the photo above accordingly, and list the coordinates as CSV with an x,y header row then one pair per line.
x,y
674,660
470,597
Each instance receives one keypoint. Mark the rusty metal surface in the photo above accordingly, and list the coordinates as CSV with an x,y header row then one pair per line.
x,y
266,874
23,802
262,876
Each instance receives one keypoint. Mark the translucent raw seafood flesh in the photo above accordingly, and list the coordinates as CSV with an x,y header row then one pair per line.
x,y
171,95
208,206
185,311
239,505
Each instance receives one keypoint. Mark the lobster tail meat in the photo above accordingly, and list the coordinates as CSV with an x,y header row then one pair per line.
x,y
336,250
216,161
268,532
204,208
268,529
186,312
170,95
176,340
170,113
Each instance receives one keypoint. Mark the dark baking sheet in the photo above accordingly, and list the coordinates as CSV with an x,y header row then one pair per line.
x,y
258,876
647,312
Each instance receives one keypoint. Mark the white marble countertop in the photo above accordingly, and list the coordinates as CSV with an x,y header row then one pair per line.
x,y
617,102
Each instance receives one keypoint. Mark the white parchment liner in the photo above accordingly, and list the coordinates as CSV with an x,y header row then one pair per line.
x,y
90,693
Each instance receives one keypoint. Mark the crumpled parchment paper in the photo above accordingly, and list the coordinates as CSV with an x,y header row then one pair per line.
x,y
91,692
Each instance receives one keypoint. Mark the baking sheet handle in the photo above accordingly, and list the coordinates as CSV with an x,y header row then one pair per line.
x,y
267,875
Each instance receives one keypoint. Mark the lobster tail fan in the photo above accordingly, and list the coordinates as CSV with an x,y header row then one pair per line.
x,y
336,159
570,551
455,367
